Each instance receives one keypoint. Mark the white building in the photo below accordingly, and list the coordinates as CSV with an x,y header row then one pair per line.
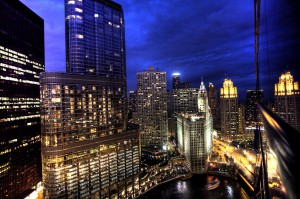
x,y
194,131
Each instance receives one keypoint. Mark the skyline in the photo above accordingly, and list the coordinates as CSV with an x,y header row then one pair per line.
x,y
176,37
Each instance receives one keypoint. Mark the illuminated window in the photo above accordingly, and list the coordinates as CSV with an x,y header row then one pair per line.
x,y
79,36
78,10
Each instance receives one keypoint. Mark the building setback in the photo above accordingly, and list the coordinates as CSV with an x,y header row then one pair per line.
x,y
85,150
21,61
229,110
287,99
151,108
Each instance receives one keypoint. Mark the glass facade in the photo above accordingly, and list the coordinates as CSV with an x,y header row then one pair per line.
x,y
95,38
86,149
21,61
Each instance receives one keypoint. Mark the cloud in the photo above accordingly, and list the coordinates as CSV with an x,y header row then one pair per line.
x,y
195,38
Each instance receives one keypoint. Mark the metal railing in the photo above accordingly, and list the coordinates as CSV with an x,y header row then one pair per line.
x,y
284,140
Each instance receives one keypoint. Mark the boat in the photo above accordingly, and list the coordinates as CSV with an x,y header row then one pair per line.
x,y
213,184
186,176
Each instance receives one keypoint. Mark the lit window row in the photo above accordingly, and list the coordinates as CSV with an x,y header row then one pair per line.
x,y
73,17
16,68
12,51
19,118
19,80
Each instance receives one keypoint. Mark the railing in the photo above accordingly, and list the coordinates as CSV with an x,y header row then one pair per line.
x,y
284,141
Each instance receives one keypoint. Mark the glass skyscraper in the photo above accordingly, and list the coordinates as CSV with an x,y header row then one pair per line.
x,y
95,38
87,149
21,61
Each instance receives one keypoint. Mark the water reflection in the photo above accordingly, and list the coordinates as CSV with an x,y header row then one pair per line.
x,y
196,187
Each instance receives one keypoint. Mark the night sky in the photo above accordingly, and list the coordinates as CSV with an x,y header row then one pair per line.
x,y
210,39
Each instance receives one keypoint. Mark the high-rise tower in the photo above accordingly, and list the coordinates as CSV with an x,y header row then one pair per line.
x,y
151,107
95,38
287,99
214,104
194,132
229,110
251,106
87,149
176,81
21,61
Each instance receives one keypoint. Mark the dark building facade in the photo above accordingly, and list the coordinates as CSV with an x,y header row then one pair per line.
x,y
21,61
176,81
95,38
131,104
251,110
214,104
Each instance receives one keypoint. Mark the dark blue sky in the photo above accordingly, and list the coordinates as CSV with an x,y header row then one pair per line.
x,y
208,39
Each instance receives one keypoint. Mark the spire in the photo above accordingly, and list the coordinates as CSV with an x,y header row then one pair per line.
x,y
202,97
202,86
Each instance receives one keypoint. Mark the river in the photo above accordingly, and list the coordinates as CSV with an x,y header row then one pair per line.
x,y
194,187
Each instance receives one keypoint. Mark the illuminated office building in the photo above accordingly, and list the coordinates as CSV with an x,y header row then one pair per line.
x,y
287,99
229,110
195,134
21,61
86,149
95,38
185,100
151,108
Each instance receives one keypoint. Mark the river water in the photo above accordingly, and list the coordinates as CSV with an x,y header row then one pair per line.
x,y
195,188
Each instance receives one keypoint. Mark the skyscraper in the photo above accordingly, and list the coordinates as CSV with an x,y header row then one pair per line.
x,y
151,108
195,134
229,110
241,135
176,81
21,61
87,149
253,97
214,104
184,100
287,99
95,38
131,104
